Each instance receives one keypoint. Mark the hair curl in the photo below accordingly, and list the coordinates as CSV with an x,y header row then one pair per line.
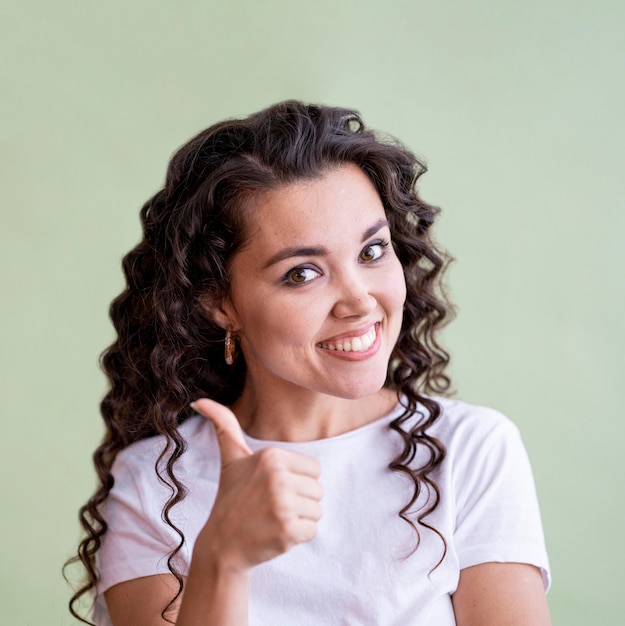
x,y
168,352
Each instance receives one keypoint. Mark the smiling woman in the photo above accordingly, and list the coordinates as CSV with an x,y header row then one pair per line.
x,y
278,449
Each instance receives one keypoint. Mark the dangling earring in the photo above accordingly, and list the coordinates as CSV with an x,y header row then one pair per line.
x,y
229,348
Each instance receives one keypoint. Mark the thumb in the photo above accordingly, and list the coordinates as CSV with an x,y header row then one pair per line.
x,y
229,433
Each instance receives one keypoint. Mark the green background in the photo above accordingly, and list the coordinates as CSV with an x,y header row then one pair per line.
x,y
518,109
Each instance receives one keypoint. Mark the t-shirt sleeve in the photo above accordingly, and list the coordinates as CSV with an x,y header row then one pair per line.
x,y
137,542
497,513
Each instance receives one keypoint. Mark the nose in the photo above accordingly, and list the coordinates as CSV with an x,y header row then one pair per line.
x,y
353,298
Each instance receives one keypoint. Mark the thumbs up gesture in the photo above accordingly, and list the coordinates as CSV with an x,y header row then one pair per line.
x,y
266,502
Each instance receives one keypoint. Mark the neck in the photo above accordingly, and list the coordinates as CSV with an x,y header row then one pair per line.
x,y
305,415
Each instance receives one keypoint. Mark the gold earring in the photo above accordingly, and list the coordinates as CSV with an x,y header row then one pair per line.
x,y
229,348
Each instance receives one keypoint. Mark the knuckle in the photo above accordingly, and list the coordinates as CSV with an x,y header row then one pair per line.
x,y
271,459
281,507
291,530
276,504
279,486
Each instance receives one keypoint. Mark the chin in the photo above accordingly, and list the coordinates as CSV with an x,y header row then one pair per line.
x,y
360,390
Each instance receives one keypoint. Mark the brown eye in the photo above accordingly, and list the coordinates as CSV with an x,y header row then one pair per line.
x,y
372,252
300,275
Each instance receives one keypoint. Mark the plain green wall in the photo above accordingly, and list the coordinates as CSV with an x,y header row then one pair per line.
x,y
518,108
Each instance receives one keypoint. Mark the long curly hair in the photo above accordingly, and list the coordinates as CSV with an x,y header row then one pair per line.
x,y
169,352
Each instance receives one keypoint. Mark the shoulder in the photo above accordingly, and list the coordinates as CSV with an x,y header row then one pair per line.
x,y
478,440
142,457
143,486
461,422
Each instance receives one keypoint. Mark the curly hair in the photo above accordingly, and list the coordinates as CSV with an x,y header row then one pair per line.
x,y
169,352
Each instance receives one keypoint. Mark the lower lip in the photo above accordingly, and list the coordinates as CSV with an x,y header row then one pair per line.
x,y
357,356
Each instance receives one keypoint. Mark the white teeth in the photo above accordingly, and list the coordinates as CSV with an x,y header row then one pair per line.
x,y
356,344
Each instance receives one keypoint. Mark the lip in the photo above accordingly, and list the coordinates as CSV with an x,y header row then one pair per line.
x,y
354,356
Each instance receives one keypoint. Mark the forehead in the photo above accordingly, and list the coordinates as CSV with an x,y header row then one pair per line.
x,y
341,203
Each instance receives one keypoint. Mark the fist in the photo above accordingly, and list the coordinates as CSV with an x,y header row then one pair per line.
x,y
266,503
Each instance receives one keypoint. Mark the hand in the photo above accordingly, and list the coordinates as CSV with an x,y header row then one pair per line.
x,y
266,503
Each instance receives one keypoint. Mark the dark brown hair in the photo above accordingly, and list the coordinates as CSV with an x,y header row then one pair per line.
x,y
168,352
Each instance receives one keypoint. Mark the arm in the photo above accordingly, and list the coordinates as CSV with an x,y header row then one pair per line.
x,y
141,601
266,503
501,594
212,598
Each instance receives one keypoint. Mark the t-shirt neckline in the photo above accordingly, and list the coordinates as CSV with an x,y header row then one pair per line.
x,y
397,409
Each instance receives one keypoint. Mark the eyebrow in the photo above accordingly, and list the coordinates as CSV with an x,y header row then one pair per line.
x,y
287,253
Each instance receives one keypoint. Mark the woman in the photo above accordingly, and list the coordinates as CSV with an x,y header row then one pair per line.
x,y
273,453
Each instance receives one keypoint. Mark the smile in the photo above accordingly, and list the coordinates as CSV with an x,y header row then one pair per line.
x,y
360,343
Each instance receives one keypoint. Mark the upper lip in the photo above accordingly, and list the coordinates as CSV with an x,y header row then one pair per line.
x,y
356,332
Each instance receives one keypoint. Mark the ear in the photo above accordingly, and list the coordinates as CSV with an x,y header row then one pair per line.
x,y
223,314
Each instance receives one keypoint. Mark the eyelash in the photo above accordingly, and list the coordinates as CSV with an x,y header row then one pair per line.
x,y
381,243
286,279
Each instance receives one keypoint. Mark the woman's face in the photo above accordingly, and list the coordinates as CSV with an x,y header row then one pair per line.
x,y
317,291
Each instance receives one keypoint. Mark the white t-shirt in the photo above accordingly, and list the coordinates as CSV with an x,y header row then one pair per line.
x,y
359,569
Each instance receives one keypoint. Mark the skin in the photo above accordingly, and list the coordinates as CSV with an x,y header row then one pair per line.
x,y
299,285
350,279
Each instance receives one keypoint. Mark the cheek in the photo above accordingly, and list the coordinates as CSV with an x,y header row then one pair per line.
x,y
280,323
395,286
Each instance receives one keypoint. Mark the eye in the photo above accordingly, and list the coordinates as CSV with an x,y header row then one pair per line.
x,y
373,251
300,275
